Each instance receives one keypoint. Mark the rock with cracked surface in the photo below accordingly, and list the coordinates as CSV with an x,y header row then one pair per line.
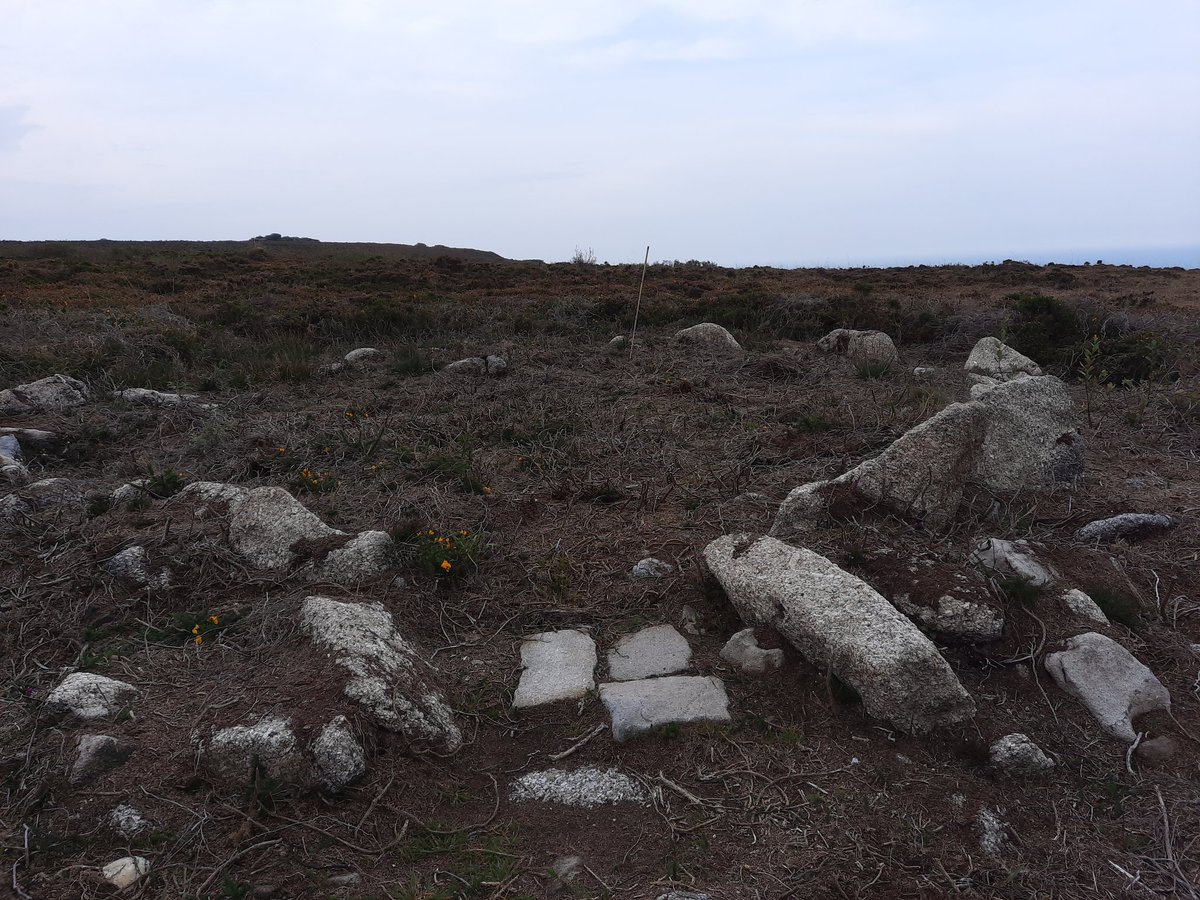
x,y
97,754
743,651
994,359
387,677
860,346
1016,754
657,650
1012,559
557,665
265,523
838,621
1124,526
85,696
640,706
338,757
363,556
1109,680
707,334
955,618
54,392
270,743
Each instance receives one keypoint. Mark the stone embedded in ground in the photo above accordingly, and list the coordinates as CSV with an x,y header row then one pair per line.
x,y
213,492
479,365
652,568
97,754
54,392
992,838
955,618
127,820
924,371
363,556
1084,606
147,397
338,757
640,706
619,342
12,460
744,652
1109,680
994,359
363,356
1157,751
132,492
265,523
683,895
387,676
707,334
130,565
860,346
270,744
49,493
125,872
33,437
86,696
837,621
587,787
1124,526
557,665
1018,755
1012,559
658,650
1031,441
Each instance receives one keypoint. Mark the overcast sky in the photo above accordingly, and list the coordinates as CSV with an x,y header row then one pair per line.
x,y
740,131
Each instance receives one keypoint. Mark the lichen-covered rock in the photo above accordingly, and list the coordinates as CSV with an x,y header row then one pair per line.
x,y
1109,680
97,754
49,493
838,621
1016,754
587,787
744,652
130,565
132,492
657,650
265,523
127,820
1124,526
387,678
1084,606
54,392
1030,441
338,757
955,618
1012,559
860,346
994,359
270,743
86,696
147,397
707,334
363,556
212,492
652,568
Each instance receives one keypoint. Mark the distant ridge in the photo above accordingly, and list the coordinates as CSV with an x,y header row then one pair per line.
x,y
275,244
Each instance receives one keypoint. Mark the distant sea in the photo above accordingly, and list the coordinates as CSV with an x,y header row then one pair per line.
x,y
1187,257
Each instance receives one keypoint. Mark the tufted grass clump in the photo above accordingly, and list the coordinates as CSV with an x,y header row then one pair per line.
x,y
873,369
166,483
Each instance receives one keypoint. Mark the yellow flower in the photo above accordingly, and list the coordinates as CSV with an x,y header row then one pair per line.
x,y
214,620
486,489
195,629
199,639
446,567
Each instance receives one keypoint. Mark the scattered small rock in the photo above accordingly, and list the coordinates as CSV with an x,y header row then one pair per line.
x,y
652,568
1124,526
127,820
130,565
1084,606
1012,559
992,838
1016,754
708,334
955,618
363,356
587,787
639,706
97,754
689,620
744,652
479,365
86,696
558,665
860,346
658,650
924,371
994,359
566,868
338,757
346,879
1109,680
126,871
147,397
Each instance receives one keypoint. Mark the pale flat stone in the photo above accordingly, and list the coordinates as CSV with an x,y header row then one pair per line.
x,y
558,665
587,787
126,871
86,696
1012,559
639,706
1084,606
744,652
1016,754
658,650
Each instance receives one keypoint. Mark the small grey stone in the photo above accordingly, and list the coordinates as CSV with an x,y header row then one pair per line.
x,y
363,356
708,334
270,743
1084,606
566,868
558,665
1013,559
146,397
992,839
127,820
924,371
955,618
652,568
1126,525
1018,755
639,706
744,652
363,556
338,757
495,365
97,754
683,895
132,492
346,879
130,565
658,650
86,696
586,787
1157,751
126,871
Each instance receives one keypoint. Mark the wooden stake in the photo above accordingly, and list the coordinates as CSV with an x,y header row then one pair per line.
x,y
638,309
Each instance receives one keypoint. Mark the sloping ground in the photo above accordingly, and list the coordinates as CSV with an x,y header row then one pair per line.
x,y
544,488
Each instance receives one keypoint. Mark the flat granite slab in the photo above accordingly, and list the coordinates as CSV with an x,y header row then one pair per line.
x,y
658,650
559,665
638,706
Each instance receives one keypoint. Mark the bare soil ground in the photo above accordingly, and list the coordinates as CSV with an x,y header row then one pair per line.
x,y
578,463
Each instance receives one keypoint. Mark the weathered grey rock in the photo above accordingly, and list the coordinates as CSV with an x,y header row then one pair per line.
x,y
1114,686
558,665
652,568
46,441
363,356
993,839
744,652
346,879
587,787
1016,754
338,757
994,359
639,706
479,365
1124,526
1012,559
49,493
683,895
361,557
269,743
1031,441
955,618
708,334
147,397
127,820
213,492
838,621
126,872
86,696
860,346
924,371
658,650
265,523
132,492
620,342
1084,606
387,677
54,392
130,565
97,754
12,460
